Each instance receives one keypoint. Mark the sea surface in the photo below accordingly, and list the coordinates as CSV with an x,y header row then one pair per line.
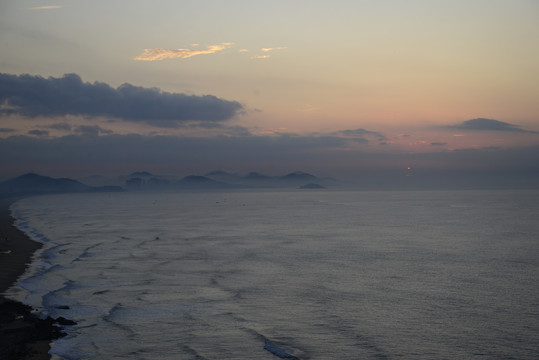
x,y
305,274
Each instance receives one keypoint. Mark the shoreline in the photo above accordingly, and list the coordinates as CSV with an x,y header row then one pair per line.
x,y
16,248
23,335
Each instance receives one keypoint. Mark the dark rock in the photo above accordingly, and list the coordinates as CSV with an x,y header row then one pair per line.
x,y
20,328
63,321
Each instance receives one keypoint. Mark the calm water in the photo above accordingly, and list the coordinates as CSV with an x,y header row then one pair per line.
x,y
315,274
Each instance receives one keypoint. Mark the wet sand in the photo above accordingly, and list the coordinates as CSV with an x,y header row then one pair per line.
x,y
16,249
23,335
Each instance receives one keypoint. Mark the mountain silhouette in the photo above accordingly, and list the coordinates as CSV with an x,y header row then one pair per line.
x,y
38,184
201,182
298,176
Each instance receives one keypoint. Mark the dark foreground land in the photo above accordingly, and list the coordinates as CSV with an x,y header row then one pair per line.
x,y
23,335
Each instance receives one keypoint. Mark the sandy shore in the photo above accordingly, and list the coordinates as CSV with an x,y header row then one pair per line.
x,y
16,249
23,335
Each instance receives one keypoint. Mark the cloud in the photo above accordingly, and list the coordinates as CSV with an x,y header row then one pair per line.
x,y
38,132
121,152
266,50
162,54
60,126
33,96
6,130
260,57
362,132
169,149
438,143
482,124
46,7
92,130
273,49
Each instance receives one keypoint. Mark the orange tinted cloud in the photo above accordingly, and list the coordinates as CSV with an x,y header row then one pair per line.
x,y
267,50
260,57
272,49
162,54
48,7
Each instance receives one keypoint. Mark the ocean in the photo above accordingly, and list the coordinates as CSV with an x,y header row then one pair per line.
x,y
303,274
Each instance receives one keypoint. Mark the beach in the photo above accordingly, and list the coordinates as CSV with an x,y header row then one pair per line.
x,y
23,335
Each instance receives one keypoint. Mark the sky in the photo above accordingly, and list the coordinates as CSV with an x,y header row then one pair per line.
x,y
349,89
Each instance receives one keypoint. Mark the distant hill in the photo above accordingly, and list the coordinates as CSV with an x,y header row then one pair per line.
x,y
257,180
99,181
38,184
142,174
299,176
143,180
201,182
221,174
256,176
220,179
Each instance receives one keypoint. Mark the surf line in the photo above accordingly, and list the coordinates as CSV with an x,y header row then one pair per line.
x,y
280,351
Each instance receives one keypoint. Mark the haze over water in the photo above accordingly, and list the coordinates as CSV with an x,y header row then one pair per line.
x,y
315,274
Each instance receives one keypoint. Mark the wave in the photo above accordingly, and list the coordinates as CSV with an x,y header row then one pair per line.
x,y
281,351
189,350
110,317
86,253
23,224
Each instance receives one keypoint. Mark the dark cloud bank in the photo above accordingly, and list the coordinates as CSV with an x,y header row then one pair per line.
x,y
482,124
33,96
90,149
326,156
